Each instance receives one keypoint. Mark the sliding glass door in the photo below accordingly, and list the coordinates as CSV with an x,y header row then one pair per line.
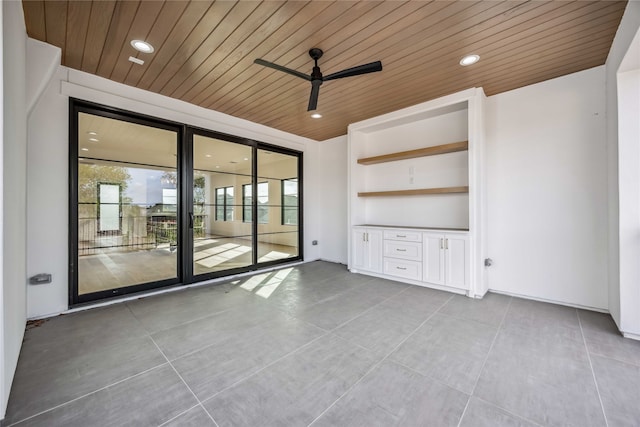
x,y
222,237
154,203
278,206
125,231
245,205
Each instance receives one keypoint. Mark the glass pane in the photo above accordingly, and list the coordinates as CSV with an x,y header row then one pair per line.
x,y
277,206
228,207
263,203
290,201
221,170
109,217
247,212
127,204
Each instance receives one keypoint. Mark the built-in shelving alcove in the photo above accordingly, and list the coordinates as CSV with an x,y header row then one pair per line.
x,y
420,168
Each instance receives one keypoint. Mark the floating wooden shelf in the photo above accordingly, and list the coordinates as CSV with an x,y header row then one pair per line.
x,y
412,154
416,192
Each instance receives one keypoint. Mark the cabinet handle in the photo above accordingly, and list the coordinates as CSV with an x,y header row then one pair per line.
x,y
446,243
401,268
367,237
441,246
401,250
401,235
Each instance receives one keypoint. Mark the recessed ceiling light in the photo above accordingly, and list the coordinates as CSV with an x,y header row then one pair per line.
x,y
92,133
142,46
94,139
246,158
469,59
85,149
316,116
217,167
207,155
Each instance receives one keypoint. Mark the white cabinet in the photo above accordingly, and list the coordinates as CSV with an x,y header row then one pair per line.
x,y
446,259
424,257
402,254
367,250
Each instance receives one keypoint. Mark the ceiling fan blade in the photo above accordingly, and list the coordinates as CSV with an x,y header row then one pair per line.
x,y
315,90
281,68
355,71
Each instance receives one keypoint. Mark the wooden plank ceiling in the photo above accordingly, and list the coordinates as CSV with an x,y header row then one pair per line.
x,y
204,50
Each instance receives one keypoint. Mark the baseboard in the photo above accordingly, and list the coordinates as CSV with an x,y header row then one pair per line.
x,y
631,336
335,261
550,301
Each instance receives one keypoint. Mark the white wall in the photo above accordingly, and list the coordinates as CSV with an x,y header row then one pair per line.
x,y
47,197
48,169
629,185
547,190
13,185
622,45
333,199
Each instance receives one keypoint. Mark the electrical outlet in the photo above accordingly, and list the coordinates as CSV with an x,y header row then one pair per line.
x,y
410,180
314,242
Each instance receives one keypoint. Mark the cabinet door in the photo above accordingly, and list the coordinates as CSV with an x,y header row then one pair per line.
x,y
374,243
433,249
456,261
359,248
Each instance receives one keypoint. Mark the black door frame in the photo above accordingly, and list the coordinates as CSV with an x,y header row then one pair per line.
x,y
184,165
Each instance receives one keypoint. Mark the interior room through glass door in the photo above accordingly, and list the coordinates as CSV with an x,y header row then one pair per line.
x,y
127,205
221,223
278,206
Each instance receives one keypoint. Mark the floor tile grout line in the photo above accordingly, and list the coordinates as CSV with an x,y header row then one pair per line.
x,y
265,367
486,358
87,394
184,382
199,349
323,300
375,365
593,372
429,377
149,333
480,322
604,356
509,412
367,310
326,333
600,354
179,415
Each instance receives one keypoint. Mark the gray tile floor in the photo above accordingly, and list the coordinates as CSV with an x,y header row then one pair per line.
x,y
316,345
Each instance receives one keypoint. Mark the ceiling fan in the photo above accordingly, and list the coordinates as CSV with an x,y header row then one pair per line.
x,y
316,78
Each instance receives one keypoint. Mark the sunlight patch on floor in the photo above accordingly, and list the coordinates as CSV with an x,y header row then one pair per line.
x,y
221,256
273,255
265,284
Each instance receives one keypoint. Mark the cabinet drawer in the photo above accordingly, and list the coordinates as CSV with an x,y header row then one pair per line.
x,y
401,268
402,235
405,250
